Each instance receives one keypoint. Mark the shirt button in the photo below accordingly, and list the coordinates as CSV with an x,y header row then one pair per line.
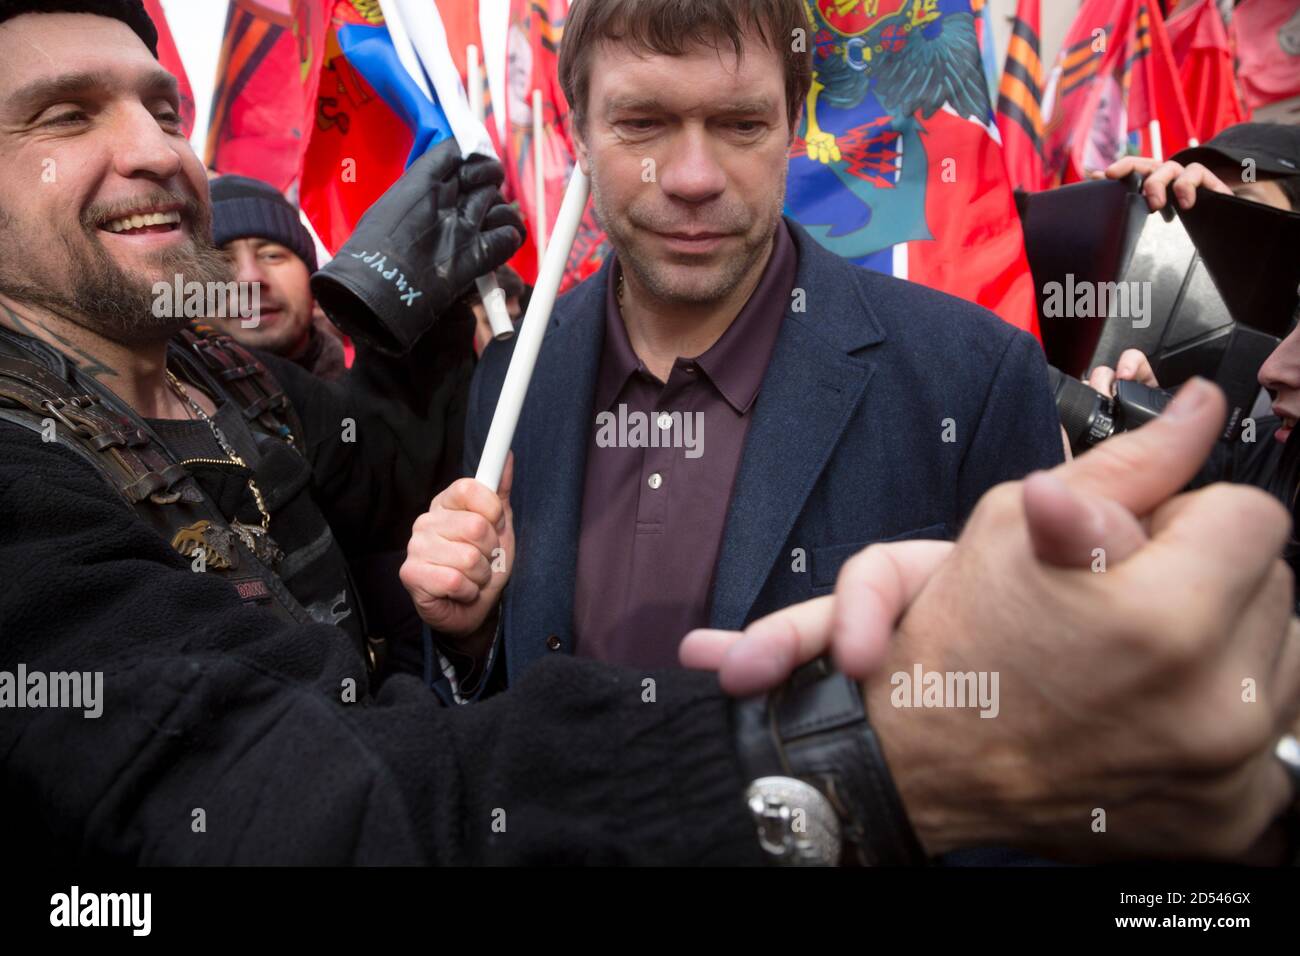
x,y
656,481
553,643
665,421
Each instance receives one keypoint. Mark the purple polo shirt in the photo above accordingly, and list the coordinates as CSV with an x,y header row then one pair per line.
x,y
661,465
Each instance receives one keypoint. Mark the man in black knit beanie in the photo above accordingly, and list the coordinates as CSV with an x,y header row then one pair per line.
x,y
267,244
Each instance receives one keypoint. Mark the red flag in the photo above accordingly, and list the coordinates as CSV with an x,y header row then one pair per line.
x,y
1115,76
1020,101
1152,84
265,96
1199,41
1076,73
1268,42
171,62
358,146
893,198
532,51
460,18
978,249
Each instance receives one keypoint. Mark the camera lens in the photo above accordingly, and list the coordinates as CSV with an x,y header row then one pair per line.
x,y
1087,416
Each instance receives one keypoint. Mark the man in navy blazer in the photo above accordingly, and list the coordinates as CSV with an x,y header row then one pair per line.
x,y
846,448
839,407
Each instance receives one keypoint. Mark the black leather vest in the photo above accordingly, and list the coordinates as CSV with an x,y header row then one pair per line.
x,y
44,393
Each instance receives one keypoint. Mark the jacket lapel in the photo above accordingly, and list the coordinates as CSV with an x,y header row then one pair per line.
x,y
812,388
550,468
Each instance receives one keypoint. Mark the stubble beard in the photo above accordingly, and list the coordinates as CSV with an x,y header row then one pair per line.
x,y
626,229
83,284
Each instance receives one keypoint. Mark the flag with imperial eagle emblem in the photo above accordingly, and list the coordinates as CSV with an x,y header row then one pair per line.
x,y
898,165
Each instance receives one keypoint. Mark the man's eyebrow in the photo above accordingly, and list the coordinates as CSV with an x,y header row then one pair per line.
x,y
40,93
633,104
650,104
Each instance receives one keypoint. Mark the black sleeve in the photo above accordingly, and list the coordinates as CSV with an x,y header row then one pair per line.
x,y
213,705
388,436
1255,462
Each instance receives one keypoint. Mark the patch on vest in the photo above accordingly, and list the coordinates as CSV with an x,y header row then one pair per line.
x,y
253,589
216,543
326,612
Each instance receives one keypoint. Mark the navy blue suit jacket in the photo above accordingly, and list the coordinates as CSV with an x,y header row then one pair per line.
x,y
846,446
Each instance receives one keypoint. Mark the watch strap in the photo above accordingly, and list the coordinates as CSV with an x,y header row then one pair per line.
x,y
815,728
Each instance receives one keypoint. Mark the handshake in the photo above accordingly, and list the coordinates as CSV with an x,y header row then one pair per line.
x,y
1141,643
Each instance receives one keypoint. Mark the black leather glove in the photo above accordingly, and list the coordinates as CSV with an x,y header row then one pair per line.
x,y
419,248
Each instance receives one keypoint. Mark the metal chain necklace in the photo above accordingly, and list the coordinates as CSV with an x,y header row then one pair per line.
x,y
257,540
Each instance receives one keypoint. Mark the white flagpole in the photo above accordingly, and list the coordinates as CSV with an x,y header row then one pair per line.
x,y
425,28
475,76
421,44
1157,144
539,173
520,373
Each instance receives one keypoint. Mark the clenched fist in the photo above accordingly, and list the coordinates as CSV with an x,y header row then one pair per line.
x,y
1147,658
460,555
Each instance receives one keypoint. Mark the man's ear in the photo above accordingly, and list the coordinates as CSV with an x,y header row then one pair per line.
x,y
579,140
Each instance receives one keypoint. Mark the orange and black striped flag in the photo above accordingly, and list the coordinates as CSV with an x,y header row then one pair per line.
x,y
1081,61
264,100
1115,90
1156,107
1068,104
1020,101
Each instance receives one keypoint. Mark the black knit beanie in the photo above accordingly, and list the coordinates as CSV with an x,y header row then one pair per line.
x,y
130,12
244,208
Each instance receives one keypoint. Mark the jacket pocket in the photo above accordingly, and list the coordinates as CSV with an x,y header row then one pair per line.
x,y
827,561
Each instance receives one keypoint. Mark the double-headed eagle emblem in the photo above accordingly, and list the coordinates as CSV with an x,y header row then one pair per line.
x,y
907,53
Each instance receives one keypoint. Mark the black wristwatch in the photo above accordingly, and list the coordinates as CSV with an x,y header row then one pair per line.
x,y
820,790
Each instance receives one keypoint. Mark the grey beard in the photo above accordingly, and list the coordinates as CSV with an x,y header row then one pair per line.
x,y
100,296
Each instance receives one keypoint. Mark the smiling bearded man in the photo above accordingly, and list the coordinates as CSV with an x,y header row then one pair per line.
x,y
90,272
82,255
238,462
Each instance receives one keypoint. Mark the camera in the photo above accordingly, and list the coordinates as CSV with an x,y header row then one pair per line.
x,y
1218,284
1089,417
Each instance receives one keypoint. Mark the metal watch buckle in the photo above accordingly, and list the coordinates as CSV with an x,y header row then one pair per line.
x,y
797,826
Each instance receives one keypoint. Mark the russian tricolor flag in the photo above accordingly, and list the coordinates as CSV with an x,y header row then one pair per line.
x,y
389,92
